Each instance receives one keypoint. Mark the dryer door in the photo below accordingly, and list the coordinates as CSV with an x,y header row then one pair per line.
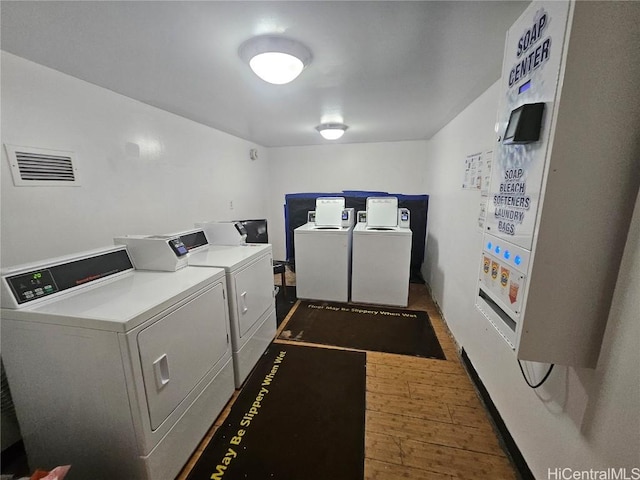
x,y
253,292
180,348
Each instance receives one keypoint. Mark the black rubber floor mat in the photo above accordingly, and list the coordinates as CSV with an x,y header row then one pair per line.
x,y
378,329
300,415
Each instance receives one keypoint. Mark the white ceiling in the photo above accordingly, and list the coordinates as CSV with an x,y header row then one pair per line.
x,y
391,70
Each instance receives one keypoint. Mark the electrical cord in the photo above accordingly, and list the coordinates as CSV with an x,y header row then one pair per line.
x,y
544,379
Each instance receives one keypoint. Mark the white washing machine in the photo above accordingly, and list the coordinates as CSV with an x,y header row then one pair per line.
x,y
118,372
323,252
252,308
381,254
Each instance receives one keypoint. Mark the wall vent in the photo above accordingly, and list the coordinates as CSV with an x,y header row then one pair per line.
x,y
39,167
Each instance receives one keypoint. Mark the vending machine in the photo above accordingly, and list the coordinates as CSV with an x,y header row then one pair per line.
x,y
544,278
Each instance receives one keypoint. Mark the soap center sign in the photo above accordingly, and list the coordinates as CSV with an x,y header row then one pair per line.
x,y
530,74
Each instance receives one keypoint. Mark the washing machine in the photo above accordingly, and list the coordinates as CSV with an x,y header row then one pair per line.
x,y
323,252
381,254
117,372
251,295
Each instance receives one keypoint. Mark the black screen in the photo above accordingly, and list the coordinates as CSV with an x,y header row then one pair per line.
x,y
513,124
256,230
194,240
525,123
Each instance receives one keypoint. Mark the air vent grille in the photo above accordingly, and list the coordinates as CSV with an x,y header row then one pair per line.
x,y
40,167
45,167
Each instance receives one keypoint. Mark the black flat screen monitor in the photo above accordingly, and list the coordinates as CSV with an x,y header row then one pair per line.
x,y
256,230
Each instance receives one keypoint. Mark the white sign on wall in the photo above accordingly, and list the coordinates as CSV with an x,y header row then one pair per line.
x,y
482,215
485,173
472,168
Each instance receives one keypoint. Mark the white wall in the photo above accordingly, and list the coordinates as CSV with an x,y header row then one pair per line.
x,y
185,171
580,418
394,167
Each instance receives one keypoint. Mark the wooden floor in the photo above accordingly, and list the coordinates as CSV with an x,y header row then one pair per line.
x,y
424,420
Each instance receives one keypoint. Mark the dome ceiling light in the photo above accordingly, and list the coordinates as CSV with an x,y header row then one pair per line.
x,y
332,131
275,59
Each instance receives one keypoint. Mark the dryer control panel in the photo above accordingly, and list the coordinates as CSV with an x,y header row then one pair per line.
x,y
31,283
193,239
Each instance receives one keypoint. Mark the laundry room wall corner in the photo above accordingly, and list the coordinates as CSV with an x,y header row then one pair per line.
x,y
142,170
394,167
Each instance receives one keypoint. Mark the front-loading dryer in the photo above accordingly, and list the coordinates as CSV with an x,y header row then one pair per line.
x,y
251,295
117,372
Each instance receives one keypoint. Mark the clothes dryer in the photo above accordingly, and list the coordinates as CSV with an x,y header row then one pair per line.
x,y
251,295
118,372
323,252
382,254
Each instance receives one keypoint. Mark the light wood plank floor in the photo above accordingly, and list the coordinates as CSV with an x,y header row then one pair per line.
x,y
424,420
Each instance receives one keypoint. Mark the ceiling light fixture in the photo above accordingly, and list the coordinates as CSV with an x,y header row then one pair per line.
x,y
275,59
332,131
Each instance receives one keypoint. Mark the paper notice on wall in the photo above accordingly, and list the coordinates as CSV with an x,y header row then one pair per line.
x,y
472,168
482,215
485,173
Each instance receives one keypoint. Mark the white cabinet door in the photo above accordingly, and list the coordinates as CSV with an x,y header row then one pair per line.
x,y
178,350
253,287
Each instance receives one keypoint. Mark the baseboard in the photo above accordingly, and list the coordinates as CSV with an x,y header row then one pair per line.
x,y
508,442
444,320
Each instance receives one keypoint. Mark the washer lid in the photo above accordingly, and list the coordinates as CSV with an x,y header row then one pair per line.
x,y
382,211
329,211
